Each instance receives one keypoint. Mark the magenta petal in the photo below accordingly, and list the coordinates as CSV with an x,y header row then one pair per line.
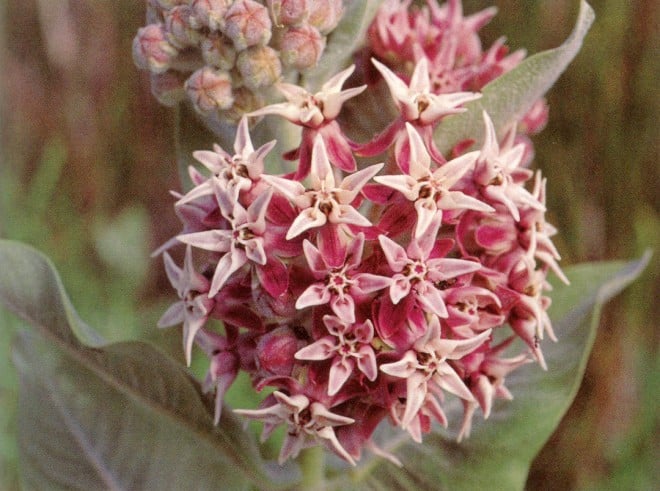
x,y
274,277
339,151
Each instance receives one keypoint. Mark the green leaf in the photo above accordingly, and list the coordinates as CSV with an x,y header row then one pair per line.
x,y
343,42
509,97
499,452
120,416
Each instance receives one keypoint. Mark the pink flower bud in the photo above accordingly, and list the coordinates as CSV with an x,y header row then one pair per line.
x,y
301,47
288,12
275,351
245,101
218,51
325,14
179,31
247,23
210,13
259,66
151,50
168,88
210,89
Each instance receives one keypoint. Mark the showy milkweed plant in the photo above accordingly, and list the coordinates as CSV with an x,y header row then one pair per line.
x,y
366,240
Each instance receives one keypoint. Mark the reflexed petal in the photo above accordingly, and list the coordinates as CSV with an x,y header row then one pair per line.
x,y
173,272
416,390
351,185
328,435
446,378
227,265
314,259
420,160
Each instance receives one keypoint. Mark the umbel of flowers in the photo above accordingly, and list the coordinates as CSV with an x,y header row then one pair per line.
x,y
367,293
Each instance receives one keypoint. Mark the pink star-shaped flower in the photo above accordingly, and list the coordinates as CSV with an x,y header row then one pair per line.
x,y
347,345
235,172
195,305
242,243
325,201
416,272
307,423
316,113
339,283
498,171
431,190
425,368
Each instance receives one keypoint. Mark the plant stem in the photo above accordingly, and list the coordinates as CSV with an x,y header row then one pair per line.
x,y
312,464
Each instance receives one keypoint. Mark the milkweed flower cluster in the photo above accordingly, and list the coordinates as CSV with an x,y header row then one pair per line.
x,y
368,293
224,55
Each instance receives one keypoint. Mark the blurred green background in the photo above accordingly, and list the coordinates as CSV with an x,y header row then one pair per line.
x,y
87,158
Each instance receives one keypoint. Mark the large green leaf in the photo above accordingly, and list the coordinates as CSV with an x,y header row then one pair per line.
x,y
509,97
120,416
499,452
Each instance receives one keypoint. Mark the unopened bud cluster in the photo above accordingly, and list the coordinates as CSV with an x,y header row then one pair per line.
x,y
367,293
225,55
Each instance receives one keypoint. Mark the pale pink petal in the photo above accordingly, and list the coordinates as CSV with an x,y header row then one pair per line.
x,y
369,283
349,215
322,349
420,160
403,368
254,251
314,259
290,189
227,265
366,361
322,416
330,439
399,288
395,254
344,307
444,268
173,315
243,143
321,172
315,294
416,390
430,298
308,218
210,240
340,371
446,378
405,184
351,185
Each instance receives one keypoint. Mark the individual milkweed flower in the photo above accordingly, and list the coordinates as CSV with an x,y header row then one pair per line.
x,y
242,243
339,283
235,173
417,271
417,105
316,113
432,191
498,173
425,368
195,306
348,346
308,423
325,202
